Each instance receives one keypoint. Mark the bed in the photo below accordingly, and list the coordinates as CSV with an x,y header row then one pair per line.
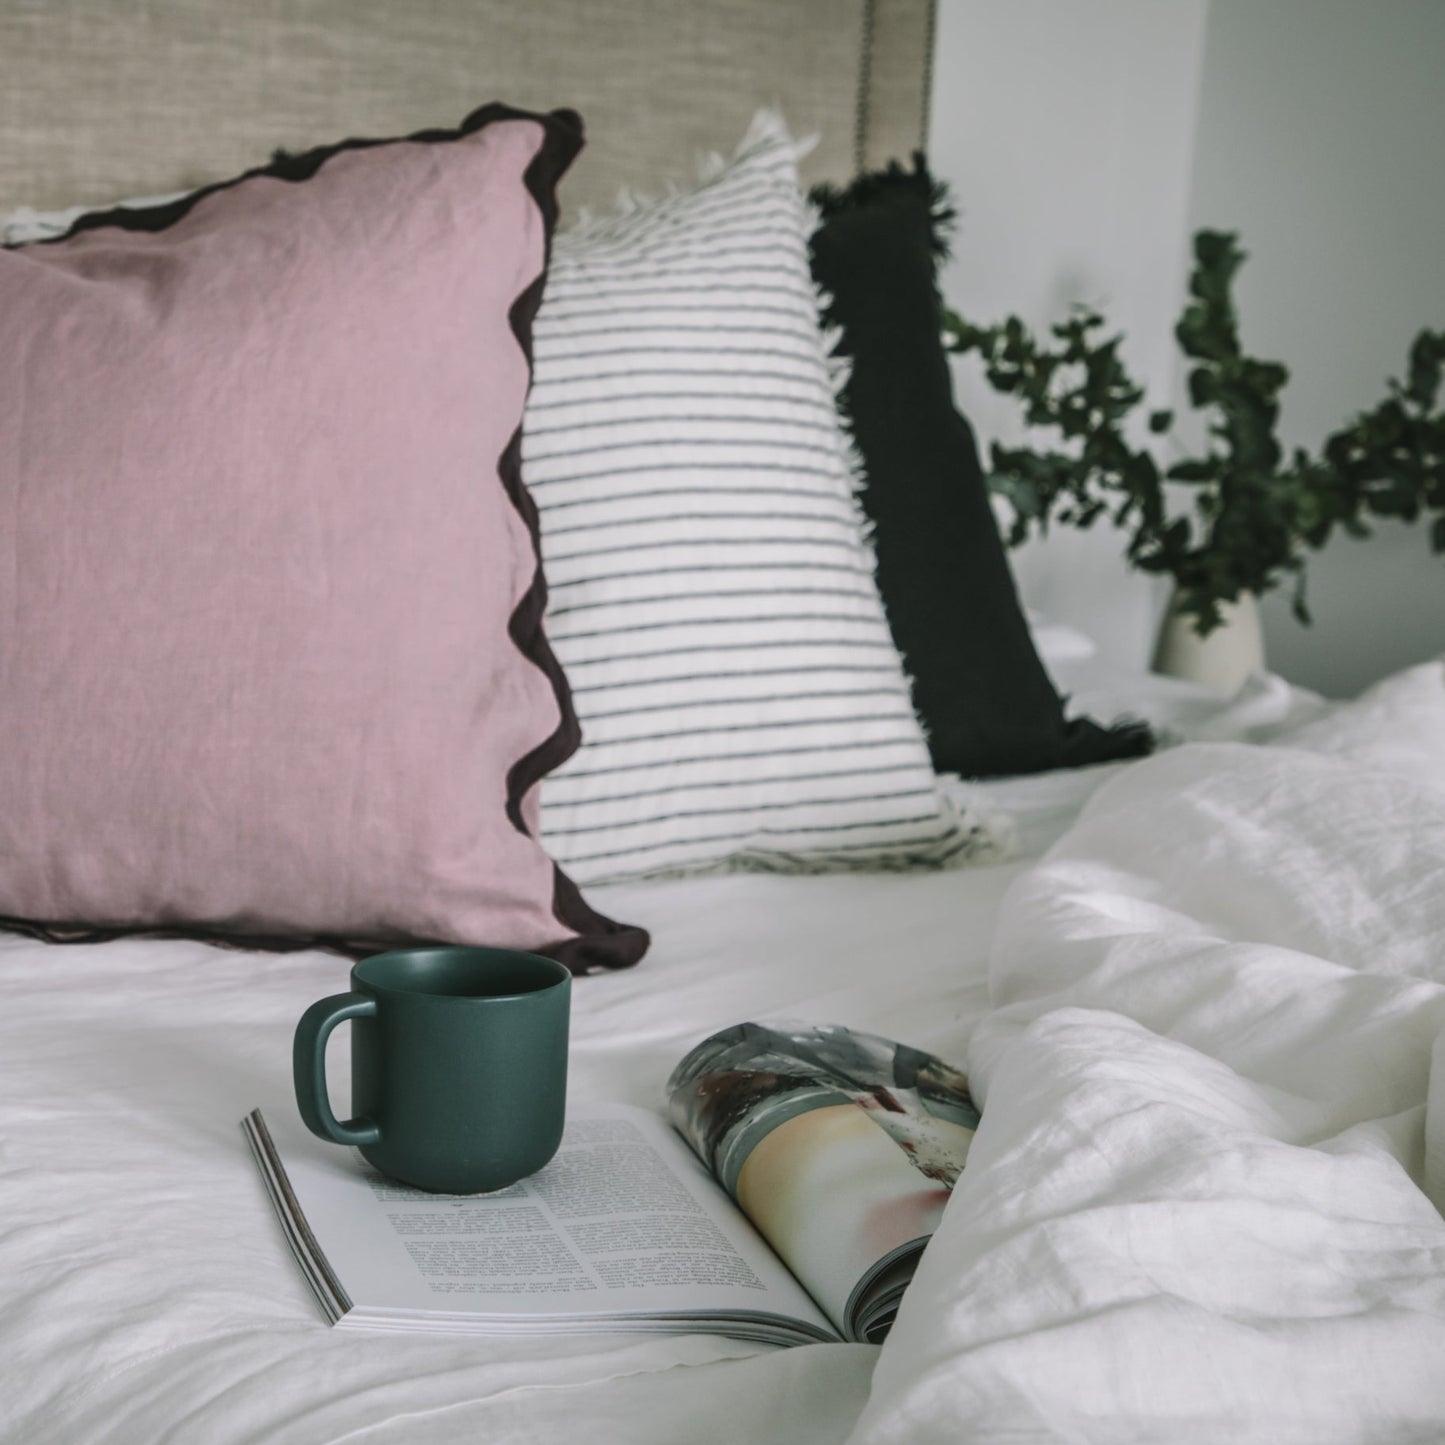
x,y
1199,994
149,1264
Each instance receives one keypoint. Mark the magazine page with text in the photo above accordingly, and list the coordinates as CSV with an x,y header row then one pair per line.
x,y
624,1229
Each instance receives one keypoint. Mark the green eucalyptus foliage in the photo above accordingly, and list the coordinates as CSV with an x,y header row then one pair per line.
x,y
1255,509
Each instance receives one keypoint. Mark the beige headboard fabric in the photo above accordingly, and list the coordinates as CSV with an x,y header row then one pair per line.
x,y
103,99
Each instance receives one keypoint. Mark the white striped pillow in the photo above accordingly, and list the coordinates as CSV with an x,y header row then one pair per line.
x,y
712,593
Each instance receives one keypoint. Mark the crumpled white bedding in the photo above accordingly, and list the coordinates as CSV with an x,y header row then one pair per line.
x,y
1199,1208
145,1290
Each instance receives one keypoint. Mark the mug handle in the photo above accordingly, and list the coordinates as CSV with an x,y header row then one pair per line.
x,y
308,1068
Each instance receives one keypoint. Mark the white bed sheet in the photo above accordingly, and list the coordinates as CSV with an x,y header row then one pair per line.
x,y
145,1290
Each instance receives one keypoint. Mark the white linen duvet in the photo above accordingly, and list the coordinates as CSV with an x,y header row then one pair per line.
x,y
1198,1208
1204,1201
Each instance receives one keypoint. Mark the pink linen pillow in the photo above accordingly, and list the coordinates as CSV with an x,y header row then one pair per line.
x,y
272,667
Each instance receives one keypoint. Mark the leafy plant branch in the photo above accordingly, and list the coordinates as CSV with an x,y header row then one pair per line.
x,y
1256,510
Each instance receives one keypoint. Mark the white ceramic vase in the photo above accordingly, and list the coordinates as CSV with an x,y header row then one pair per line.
x,y
1221,661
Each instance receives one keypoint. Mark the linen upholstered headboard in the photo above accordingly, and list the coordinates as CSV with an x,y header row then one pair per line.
x,y
102,99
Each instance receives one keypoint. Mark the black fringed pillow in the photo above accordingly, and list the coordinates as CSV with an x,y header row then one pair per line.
x,y
981,692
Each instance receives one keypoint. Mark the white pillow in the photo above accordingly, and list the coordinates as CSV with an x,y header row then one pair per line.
x,y
713,601
1057,642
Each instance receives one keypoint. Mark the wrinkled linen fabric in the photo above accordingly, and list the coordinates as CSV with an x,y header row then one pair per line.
x,y
146,1291
1199,1207
147,1296
272,664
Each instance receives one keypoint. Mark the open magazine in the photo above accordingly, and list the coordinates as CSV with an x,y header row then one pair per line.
x,y
805,1173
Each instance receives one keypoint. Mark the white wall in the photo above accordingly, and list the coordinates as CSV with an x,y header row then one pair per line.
x,y
1085,142
1322,141
1066,131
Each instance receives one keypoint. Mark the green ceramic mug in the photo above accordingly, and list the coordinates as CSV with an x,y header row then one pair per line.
x,y
458,1065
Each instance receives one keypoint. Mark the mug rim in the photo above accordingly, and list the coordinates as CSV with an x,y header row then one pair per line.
x,y
561,975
